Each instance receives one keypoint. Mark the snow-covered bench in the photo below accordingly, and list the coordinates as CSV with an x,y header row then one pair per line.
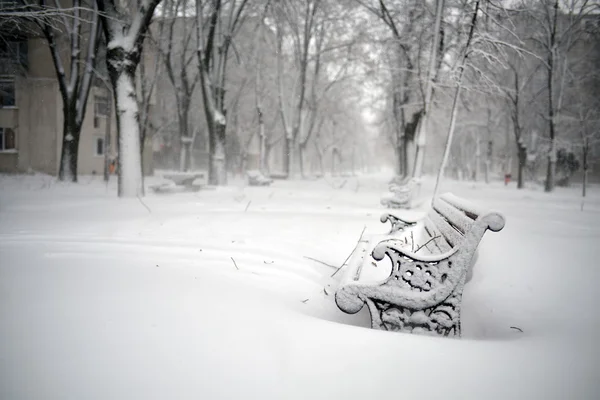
x,y
182,181
255,178
401,193
428,269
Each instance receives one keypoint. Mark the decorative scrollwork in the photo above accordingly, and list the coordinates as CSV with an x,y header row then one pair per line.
x,y
398,224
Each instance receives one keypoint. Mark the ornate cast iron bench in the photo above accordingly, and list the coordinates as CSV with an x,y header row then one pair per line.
x,y
401,193
424,290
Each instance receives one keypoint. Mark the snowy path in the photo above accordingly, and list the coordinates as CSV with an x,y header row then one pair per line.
x,y
101,299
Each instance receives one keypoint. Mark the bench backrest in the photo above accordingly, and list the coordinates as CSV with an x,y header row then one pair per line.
x,y
184,178
454,222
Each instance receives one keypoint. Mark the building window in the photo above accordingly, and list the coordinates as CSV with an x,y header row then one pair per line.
x,y
13,52
99,144
7,139
7,92
100,106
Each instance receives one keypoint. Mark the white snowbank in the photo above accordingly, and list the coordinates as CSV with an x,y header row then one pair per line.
x,y
101,299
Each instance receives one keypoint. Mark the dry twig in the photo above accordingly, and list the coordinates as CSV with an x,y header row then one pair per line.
x,y
426,243
144,204
320,262
349,255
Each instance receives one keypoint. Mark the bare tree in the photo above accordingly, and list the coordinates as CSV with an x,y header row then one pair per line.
x,y
408,23
519,101
301,20
431,73
461,70
554,36
125,28
215,35
178,52
148,78
82,33
581,113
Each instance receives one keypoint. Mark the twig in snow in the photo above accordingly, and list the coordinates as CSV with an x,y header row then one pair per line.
x,y
234,263
248,205
412,240
304,301
144,204
516,328
320,262
325,291
349,255
426,243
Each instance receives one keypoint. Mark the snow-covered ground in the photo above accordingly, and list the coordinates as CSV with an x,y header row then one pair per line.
x,y
210,295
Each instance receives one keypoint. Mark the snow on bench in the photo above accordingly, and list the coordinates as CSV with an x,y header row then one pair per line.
x,y
255,178
182,181
401,193
423,292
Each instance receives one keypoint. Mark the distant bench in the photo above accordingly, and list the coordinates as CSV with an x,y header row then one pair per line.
x,y
255,178
181,182
401,193
424,290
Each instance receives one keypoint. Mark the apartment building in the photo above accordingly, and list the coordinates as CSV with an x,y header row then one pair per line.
x,y
31,117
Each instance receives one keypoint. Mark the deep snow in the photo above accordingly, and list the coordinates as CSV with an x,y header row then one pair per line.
x,y
102,299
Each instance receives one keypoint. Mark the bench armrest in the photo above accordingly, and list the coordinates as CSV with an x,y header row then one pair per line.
x,y
351,296
398,224
384,247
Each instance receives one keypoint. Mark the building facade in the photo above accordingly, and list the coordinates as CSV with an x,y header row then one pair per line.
x,y
31,115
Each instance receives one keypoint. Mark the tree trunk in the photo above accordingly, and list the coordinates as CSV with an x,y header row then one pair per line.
x,y
585,172
266,157
319,154
107,139
217,174
185,161
522,155
488,161
405,170
333,162
335,153
353,163
262,160
262,142
477,172
551,170
129,147
185,156
400,158
410,132
301,148
288,156
69,153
